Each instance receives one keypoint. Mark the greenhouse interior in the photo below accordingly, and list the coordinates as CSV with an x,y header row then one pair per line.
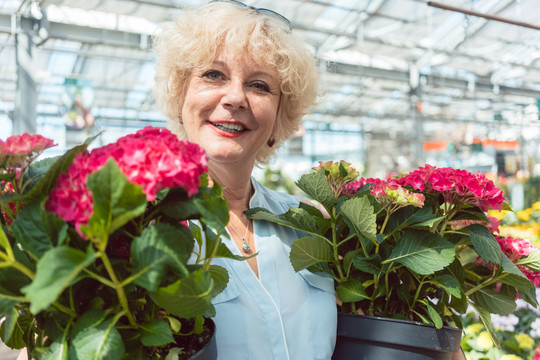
x,y
402,84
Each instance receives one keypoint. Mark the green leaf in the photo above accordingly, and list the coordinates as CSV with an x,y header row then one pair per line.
x,y
448,283
6,305
187,297
370,265
177,205
434,316
8,326
98,342
220,277
532,261
156,333
316,185
351,290
213,208
224,252
485,318
91,318
496,302
19,334
46,182
158,247
55,271
116,201
514,276
422,252
295,218
485,244
38,230
359,215
409,215
308,251
58,350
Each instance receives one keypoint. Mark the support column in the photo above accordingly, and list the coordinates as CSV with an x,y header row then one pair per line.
x,y
24,119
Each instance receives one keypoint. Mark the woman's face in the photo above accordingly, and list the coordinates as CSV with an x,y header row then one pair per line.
x,y
230,108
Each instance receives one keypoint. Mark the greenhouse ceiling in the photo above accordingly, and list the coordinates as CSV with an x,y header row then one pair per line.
x,y
396,69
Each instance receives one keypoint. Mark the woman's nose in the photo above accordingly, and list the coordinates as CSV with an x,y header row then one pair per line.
x,y
235,95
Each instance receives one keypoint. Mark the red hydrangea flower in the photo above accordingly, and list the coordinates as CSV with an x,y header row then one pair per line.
x,y
15,151
152,158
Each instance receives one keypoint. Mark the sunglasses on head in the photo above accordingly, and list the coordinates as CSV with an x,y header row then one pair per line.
x,y
259,11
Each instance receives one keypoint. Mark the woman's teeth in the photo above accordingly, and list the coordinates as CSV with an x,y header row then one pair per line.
x,y
229,127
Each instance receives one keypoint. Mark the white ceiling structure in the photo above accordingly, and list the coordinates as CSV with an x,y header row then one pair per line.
x,y
398,72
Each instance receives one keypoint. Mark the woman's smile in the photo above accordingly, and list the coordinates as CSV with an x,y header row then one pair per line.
x,y
228,128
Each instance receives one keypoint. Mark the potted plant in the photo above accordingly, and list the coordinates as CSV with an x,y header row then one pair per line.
x,y
411,250
94,248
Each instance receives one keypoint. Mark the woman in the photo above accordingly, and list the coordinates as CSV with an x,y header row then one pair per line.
x,y
236,81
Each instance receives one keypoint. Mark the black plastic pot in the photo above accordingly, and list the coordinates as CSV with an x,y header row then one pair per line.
x,y
209,351
375,338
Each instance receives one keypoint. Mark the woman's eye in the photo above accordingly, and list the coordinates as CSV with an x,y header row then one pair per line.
x,y
261,86
213,75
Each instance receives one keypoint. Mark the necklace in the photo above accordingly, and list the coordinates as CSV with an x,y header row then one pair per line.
x,y
245,245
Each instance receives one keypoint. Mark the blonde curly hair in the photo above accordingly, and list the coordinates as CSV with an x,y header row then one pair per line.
x,y
193,39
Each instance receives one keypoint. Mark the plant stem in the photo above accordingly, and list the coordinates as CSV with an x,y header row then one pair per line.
x,y
335,245
17,265
484,284
207,261
118,287
64,309
101,279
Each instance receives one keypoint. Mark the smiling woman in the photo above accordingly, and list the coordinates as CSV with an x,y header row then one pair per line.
x,y
235,80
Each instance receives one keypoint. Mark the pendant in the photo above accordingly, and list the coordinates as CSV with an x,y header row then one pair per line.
x,y
245,247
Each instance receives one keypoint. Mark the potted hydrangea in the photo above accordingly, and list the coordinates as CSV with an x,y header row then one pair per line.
x,y
411,250
94,248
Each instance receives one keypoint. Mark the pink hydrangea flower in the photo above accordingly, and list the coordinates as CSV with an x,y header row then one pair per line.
x,y
515,248
17,149
456,186
152,158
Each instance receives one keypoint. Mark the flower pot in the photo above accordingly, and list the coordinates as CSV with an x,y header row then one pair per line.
x,y
368,337
209,351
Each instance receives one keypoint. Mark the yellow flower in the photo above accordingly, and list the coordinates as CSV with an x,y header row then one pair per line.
x,y
524,215
499,215
510,357
483,341
525,341
474,328
536,205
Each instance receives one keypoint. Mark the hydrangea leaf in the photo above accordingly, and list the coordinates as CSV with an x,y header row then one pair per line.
x,y
38,230
434,316
187,297
371,265
220,277
485,244
496,302
9,323
308,251
296,218
485,318
316,185
409,215
116,200
90,318
359,215
532,261
213,208
98,342
351,290
422,252
20,332
57,351
448,283
158,247
46,182
156,333
55,271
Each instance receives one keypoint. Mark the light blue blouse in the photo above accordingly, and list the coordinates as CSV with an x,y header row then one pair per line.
x,y
282,315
